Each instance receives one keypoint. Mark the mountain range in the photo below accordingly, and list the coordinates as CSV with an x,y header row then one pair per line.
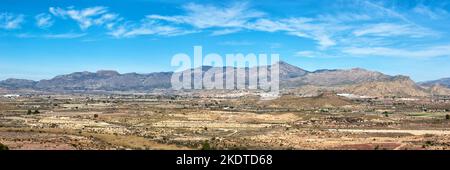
x,y
443,82
355,81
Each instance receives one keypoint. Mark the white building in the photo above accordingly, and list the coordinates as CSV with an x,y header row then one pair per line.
x,y
11,95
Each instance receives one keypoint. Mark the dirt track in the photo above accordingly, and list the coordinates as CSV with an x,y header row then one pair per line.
x,y
413,132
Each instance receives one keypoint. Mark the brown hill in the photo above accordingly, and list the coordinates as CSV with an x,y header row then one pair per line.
x,y
438,89
336,78
325,99
400,86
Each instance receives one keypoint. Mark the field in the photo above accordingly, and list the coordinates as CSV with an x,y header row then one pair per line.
x,y
173,122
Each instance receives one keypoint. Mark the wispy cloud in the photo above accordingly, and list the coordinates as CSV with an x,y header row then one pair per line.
x,y
146,27
433,14
427,52
207,16
11,21
44,20
393,29
53,36
268,25
64,36
225,31
344,17
238,17
301,27
327,30
87,17
369,24
308,54
236,43
382,11
313,54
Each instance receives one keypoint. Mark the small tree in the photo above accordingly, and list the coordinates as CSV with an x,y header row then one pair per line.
x,y
29,112
447,117
36,112
206,146
95,116
3,147
386,114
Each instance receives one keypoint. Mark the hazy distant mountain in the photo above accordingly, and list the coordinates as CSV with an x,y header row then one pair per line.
x,y
443,82
106,80
336,78
357,80
286,72
17,83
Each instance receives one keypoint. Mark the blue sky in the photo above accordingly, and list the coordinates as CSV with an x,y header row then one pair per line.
x,y
45,38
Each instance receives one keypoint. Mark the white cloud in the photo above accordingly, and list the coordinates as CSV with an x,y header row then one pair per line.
x,y
312,54
11,21
325,29
106,18
324,41
275,45
236,43
174,19
86,17
391,29
381,11
320,32
235,18
433,14
64,36
44,20
428,52
344,17
53,36
338,29
146,27
269,25
207,16
308,54
225,31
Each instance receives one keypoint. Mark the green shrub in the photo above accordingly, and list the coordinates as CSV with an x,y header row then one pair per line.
x,y
206,146
3,147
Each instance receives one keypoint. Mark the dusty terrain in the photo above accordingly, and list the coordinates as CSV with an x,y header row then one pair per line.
x,y
325,121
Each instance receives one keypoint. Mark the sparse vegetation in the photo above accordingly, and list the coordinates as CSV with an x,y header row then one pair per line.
x,y
204,123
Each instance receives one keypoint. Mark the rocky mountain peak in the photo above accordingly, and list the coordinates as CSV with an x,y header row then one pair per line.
x,y
107,73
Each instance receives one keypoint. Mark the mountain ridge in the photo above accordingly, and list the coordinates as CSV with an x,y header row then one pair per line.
x,y
443,82
355,80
